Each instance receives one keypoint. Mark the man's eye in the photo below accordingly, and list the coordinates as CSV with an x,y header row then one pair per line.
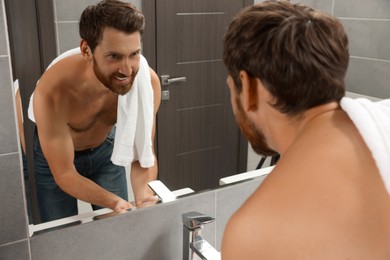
x,y
113,56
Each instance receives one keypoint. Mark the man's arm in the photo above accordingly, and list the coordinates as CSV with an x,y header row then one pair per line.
x,y
141,176
50,110
234,244
19,114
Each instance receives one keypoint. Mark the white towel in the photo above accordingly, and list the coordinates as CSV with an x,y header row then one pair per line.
x,y
133,136
372,119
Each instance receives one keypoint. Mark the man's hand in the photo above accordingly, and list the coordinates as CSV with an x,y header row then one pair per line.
x,y
122,206
148,201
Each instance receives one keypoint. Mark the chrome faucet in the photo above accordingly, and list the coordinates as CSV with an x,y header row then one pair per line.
x,y
194,246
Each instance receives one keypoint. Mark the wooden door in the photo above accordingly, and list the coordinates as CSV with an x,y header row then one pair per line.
x,y
198,140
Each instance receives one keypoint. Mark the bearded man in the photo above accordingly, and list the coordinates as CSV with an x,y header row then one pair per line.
x,y
75,107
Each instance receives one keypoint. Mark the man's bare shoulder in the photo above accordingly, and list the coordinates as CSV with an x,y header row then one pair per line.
x,y
64,74
61,87
156,89
298,214
155,82
324,198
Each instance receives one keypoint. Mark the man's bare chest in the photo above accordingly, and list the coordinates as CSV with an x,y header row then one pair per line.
x,y
92,113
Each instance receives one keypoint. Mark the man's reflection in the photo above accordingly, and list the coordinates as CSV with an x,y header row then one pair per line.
x,y
75,107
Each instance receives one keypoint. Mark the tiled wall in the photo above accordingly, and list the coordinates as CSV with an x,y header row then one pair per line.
x,y
368,26
67,14
13,224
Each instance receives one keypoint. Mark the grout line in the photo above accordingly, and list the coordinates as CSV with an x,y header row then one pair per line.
x,y
29,249
216,221
366,58
333,7
14,242
6,154
56,25
364,19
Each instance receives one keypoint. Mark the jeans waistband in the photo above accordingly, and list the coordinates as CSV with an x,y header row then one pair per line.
x,y
109,137
89,150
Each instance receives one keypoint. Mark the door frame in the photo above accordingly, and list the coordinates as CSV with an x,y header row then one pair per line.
x,y
150,53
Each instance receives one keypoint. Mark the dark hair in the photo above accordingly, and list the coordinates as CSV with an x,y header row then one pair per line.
x,y
109,13
299,54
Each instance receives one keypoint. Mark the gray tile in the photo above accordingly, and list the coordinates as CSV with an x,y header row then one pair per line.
x,y
368,77
368,38
362,8
144,234
68,14
3,34
137,3
8,136
70,10
253,159
18,250
322,5
13,223
229,199
68,36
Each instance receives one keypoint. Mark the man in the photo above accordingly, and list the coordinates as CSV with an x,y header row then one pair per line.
x,y
326,198
75,108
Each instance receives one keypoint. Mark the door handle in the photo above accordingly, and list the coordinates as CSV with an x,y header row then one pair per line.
x,y
165,80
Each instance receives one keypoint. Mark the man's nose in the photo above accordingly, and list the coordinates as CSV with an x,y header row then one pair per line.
x,y
126,67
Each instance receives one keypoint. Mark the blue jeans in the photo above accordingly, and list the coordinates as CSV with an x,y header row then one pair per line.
x,y
94,164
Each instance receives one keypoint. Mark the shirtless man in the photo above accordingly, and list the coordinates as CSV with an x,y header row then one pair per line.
x,y
325,199
75,109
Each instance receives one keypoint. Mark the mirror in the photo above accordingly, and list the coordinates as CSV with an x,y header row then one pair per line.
x,y
49,38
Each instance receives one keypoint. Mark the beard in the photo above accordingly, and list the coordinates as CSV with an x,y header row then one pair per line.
x,y
255,137
109,81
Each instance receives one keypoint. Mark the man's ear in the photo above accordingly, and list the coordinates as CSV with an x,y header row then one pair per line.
x,y
85,50
249,91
